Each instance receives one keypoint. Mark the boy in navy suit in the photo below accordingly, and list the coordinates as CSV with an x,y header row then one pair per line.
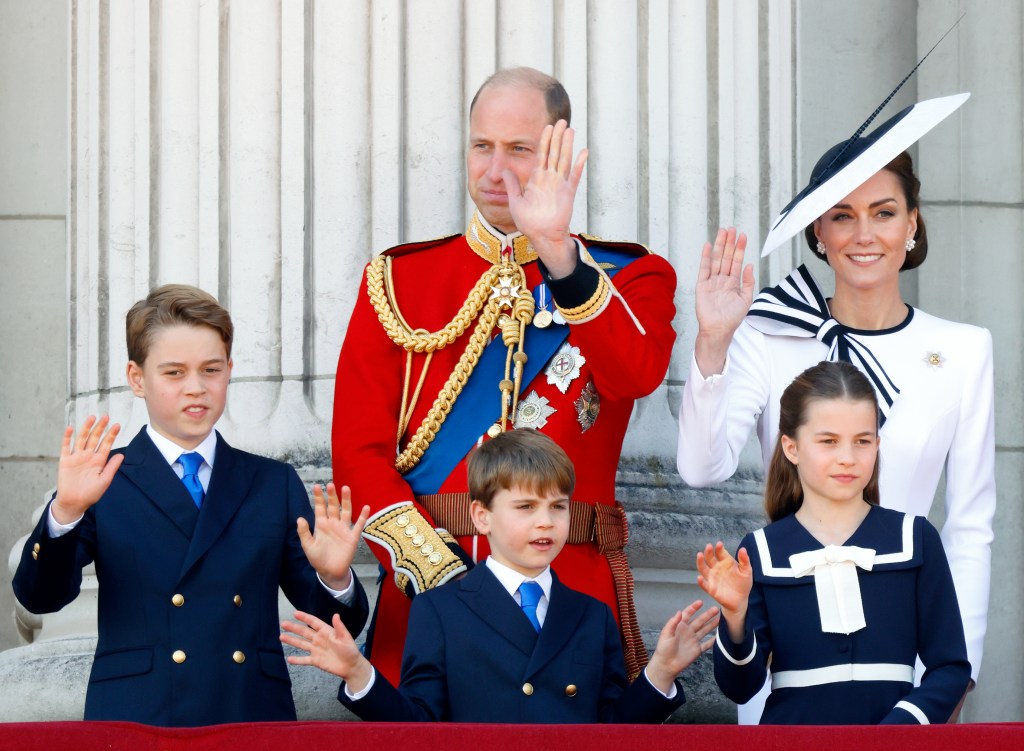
x,y
509,642
191,539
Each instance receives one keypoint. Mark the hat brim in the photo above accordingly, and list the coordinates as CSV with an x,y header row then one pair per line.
x,y
918,120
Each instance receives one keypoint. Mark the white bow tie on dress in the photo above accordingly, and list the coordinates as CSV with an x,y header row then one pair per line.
x,y
835,582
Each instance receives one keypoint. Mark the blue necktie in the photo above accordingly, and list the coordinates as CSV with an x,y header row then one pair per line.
x,y
191,462
529,595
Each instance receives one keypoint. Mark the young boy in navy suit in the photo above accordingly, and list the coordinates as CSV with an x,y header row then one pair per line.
x,y
509,642
191,539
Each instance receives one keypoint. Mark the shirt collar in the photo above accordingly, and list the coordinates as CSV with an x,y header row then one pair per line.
x,y
171,451
511,579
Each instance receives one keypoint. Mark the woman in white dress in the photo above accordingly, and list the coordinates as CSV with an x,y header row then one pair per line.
x,y
934,377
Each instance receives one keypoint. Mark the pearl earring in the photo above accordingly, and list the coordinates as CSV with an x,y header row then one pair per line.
x,y
910,244
821,248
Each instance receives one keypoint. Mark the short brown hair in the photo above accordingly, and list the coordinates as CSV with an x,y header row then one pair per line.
x,y
555,97
525,458
783,493
173,305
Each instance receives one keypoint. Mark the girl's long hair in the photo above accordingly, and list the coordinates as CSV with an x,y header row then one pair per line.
x,y
783,494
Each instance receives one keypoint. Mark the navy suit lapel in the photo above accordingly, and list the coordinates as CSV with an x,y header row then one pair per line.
x,y
564,614
149,471
484,595
229,486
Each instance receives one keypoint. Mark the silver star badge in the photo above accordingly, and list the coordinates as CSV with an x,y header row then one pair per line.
x,y
564,367
533,411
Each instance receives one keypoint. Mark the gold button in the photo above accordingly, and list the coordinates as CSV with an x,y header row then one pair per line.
x,y
238,657
238,601
434,558
494,431
570,690
411,530
178,600
528,689
35,556
36,547
418,539
178,656
401,520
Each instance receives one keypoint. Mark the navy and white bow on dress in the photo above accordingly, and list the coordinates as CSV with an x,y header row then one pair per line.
x,y
797,307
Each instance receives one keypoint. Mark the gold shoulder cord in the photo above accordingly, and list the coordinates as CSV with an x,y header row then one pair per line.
x,y
501,286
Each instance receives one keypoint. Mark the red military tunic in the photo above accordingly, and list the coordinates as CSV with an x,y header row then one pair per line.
x,y
429,283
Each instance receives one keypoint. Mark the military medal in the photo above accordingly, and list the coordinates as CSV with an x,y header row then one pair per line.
x,y
587,407
564,367
505,291
533,412
543,317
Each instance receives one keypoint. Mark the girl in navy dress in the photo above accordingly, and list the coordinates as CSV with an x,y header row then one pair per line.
x,y
838,595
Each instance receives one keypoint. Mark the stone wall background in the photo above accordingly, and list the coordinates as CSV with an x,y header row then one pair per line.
x,y
265,149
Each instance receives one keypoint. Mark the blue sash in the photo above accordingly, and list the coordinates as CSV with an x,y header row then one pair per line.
x,y
478,406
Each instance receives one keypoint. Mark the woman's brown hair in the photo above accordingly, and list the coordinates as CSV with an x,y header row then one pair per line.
x,y
903,168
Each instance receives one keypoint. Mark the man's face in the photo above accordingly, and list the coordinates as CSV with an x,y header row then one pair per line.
x,y
504,134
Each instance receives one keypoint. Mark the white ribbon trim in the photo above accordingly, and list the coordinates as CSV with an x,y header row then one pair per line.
x,y
907,553
871,671
835,582
729,657
920,716
900,556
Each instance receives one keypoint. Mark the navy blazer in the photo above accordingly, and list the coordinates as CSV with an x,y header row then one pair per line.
x,y
188,598
471,655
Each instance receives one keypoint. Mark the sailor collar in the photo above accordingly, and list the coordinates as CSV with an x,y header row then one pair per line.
x,y
889,535
491,244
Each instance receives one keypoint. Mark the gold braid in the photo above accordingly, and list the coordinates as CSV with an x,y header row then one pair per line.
x,y
481,306
419,340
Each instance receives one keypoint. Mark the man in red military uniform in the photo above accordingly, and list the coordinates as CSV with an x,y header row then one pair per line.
x,y
515,324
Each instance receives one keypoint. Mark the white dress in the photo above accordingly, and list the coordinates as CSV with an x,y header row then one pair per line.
x,y
942,419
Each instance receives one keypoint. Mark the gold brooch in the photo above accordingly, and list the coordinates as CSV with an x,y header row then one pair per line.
x,y
934,359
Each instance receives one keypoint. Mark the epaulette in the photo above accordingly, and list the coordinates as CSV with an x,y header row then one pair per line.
x,y
635,249
403,249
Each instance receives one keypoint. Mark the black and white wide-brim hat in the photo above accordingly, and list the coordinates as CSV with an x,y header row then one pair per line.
x,y
848,165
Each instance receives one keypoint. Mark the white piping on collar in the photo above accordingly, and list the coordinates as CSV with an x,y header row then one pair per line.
x,y
901,556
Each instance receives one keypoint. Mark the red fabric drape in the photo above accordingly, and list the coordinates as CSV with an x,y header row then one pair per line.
x,y
123,736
